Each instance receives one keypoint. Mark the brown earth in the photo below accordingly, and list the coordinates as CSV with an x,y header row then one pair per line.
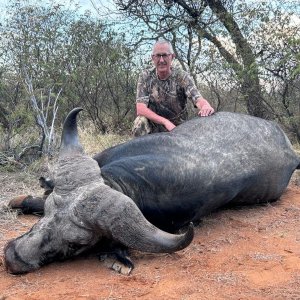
x,y
244,253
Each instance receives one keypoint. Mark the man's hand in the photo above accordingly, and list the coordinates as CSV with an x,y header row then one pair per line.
x,y
206,110
169,125
143,110
204,107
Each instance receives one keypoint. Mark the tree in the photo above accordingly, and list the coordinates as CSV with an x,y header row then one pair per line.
x,y
279,61
52,60
102,75
33,39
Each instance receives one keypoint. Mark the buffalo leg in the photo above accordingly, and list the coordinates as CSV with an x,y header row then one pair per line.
x,y
28,204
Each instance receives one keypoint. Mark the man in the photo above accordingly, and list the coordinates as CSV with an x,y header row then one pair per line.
x,y
162,92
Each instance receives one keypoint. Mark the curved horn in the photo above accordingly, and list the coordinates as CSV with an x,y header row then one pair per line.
x,y
160,241
69,138
132,229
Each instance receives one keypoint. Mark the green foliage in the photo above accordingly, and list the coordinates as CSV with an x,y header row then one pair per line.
x,y
101,74
55,49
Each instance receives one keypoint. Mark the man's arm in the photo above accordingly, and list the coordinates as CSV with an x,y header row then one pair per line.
x,y
193,93
143,110
204,107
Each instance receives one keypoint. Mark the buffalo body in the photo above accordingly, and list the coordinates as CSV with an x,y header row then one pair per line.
x,y
152,185
203,164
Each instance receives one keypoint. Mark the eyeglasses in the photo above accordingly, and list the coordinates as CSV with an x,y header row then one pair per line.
x,y
158,56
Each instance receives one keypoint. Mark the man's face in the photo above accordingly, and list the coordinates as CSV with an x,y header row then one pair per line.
x,y
162,58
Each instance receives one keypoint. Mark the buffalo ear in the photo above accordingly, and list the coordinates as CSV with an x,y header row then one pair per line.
x,y
46,183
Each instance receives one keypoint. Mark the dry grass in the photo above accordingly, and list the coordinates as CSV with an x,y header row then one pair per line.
x,y
297,148
94,143
17,183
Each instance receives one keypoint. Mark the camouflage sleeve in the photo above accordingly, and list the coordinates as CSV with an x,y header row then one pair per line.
x,y
190,87
142,92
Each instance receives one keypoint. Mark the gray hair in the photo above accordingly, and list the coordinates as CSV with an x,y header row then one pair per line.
x,y
159,42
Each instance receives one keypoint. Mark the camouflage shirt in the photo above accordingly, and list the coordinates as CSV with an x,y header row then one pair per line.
x,y
167,98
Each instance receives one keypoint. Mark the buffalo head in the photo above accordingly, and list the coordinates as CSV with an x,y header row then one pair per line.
x,y
81,211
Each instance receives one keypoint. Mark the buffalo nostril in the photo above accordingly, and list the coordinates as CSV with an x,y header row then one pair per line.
x,y
12,261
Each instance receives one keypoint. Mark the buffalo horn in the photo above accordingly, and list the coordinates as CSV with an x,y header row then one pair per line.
x,y
69,138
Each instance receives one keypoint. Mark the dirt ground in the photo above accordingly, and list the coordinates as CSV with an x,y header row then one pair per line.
x,y
244,253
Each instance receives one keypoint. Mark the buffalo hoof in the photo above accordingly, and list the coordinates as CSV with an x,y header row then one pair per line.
x,y
116,265
118,260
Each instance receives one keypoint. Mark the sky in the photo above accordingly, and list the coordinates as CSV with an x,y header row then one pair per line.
x,y
105,7
84,4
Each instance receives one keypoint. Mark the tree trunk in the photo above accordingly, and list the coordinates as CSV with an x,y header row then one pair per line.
x,y
248,75
4,117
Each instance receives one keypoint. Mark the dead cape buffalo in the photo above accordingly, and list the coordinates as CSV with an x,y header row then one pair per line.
x,y
164,179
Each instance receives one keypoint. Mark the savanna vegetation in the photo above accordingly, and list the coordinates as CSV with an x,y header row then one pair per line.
x,y
243,55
